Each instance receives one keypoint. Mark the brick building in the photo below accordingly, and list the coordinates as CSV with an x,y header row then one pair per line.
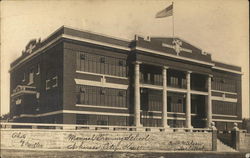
x,y
79,77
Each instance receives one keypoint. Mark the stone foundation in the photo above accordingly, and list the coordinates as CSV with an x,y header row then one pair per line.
x,y
45,139
244,142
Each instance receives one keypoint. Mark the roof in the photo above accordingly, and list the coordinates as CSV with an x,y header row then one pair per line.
x,y
173,47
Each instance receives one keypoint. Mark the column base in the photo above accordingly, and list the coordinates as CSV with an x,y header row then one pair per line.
x,y
7,126
34,127
140,125
166,126
188,126
140,128
167,129
69,127
190,129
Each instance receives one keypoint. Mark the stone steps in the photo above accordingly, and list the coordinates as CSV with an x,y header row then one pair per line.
x,y
221,147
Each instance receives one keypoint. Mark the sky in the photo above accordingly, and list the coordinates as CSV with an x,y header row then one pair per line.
x,y
219,27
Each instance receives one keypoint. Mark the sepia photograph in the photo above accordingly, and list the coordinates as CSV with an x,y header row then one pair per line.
x,y
114,78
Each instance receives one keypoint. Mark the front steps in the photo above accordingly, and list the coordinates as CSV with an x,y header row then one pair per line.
x,y
221,147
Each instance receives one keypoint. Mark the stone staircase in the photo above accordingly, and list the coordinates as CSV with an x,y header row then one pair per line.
x,y
221,147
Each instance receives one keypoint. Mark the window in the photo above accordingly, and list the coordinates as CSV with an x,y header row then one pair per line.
x,y
47,84
101,64
82,90
179,101
24,77
102,60
82,119
174,81
121,63
92,95
183,83
54,82
103,91
121,93
224,84
225,108
82,56
51,82
157,79
31,77
176,103
148,77
18,101
102,120
151,100
194,108
38,69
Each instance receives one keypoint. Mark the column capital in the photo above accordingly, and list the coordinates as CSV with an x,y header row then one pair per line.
x,y
210,75
137,62
165,67
189,72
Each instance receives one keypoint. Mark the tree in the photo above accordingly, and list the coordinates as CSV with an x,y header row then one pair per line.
x,y
5,117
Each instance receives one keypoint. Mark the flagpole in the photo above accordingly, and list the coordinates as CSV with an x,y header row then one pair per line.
x,y
173,20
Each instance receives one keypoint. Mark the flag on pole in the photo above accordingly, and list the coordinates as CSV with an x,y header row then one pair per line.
x,y
165,12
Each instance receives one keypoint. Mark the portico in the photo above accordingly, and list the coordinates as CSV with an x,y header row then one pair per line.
x,y
161,82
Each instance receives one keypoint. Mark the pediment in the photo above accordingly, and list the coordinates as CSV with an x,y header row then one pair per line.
x,y
178,44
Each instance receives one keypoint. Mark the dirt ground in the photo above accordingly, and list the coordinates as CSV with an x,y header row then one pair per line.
x,y
82,154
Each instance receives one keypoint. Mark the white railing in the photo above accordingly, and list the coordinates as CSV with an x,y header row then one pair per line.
x,y
23,89
40,126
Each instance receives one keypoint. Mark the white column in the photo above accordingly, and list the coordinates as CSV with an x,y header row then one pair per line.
x,y
188,101
209,103
137,104
164,97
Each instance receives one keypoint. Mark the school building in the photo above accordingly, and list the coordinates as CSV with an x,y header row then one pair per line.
x,y
80,77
